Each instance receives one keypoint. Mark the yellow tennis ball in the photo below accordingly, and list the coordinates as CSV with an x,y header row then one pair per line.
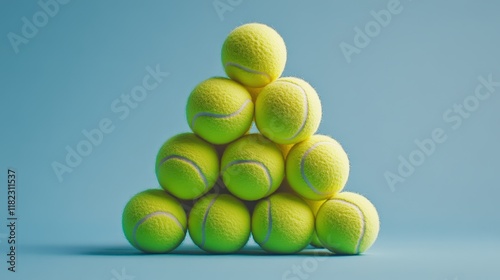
x,y
282,223
347,223
285,149
288,111
220,110
219,224
254,92
154,222
317,168
254,54
252,167
187,166
315,205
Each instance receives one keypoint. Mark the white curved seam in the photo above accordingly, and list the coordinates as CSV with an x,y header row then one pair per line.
x,y
305,109
154,214
220,116
362,219
258,163
198,169
270,226
246,69
303,172
203,225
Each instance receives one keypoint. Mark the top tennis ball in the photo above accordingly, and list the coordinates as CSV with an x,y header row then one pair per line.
x,y
254,54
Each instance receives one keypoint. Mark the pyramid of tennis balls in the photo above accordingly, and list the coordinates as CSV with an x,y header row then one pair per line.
x,y
221,183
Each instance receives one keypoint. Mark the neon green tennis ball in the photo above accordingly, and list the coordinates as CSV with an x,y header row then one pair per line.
x,y
285,149
154,222
348,223
220,110
219,224
254,54
315,205
252,167
288,111
254,92
187,166
317,168
282,223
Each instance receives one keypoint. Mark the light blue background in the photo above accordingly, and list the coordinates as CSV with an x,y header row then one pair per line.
x,y
441,223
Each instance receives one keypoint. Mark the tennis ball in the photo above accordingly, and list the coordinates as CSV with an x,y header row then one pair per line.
x,y
285,149
282,223
348,224
315,205
154,222
288,111
187,166
317,168
254,92
254,54
220,110
219,224
252,167
315,241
